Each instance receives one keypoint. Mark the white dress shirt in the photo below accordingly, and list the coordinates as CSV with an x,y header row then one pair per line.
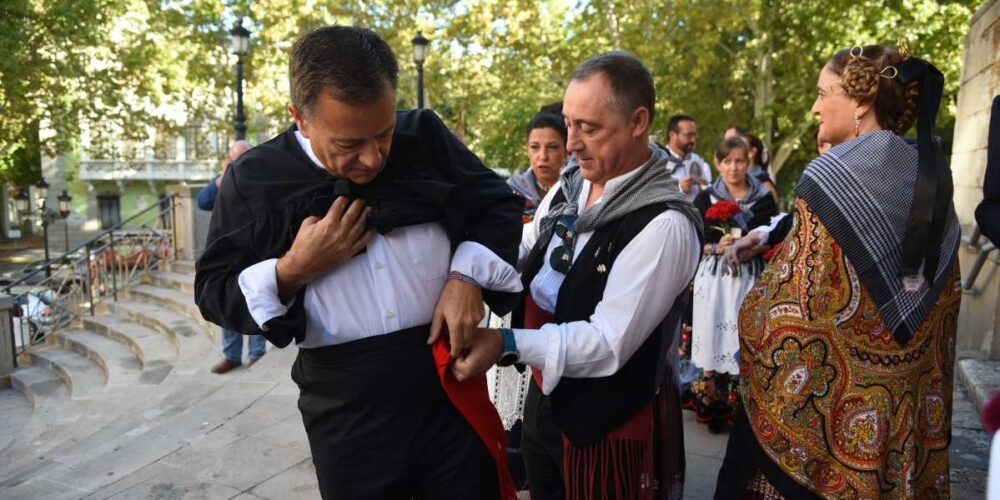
x,y
647,276
394,285
690,163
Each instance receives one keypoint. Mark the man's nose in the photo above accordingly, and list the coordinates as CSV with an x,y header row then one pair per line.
x,y
573,141
370,156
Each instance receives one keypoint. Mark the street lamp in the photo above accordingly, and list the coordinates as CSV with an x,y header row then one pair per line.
x,y
64,200
241,45
43,194
420,45
22,200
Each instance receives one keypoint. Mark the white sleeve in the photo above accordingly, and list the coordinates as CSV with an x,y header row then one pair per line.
x,y
259,284
766,230
648,275
481,264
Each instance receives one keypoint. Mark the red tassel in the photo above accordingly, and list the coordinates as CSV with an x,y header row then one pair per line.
x,y
620,466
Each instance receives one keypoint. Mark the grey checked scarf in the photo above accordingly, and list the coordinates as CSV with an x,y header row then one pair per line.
x,y
651,184
862,191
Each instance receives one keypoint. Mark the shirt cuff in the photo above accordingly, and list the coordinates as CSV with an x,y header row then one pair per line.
x,y
540,349
259,284
481,264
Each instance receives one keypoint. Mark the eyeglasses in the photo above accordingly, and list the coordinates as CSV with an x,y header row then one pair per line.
x,y
562,255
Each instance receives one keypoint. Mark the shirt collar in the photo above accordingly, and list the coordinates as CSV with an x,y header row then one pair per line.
x,y
307,147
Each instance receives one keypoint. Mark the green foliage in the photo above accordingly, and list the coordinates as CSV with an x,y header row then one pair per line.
x,y
127,71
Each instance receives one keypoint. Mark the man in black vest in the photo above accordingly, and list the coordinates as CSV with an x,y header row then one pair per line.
x,y
360,233
607,260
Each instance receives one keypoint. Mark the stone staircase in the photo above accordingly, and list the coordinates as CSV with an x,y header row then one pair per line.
x,y
122,405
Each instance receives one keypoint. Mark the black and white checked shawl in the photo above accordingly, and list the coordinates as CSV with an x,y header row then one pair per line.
x,y
862,191
651,184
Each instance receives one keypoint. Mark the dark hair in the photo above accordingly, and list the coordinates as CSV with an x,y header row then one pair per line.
x,y
727,145
865,78
548,120
553,107
674,122
631,82
757,144
740,130
353,64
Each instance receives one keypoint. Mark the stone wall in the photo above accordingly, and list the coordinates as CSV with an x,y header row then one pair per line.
x,y
978,320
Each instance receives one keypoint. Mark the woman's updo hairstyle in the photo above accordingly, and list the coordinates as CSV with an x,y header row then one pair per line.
x,y
868,75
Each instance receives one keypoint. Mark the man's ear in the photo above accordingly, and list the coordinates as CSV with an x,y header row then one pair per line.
x,y
640,122
299,117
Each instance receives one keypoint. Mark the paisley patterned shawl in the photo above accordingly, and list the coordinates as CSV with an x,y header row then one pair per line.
x,y
834,402
862,191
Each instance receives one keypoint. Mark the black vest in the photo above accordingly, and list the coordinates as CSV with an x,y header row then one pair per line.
x,y
587,409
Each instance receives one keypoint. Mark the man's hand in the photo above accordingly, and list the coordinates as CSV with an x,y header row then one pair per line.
x,y
685,184
323,244
485,347
460,308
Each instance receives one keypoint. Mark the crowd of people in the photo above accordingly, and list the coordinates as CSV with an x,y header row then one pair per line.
x,y
639,280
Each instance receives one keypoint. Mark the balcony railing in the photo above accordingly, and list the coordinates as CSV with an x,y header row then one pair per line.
x,y
148,170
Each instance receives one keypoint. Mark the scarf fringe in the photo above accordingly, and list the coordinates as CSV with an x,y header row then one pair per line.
x,y
612,468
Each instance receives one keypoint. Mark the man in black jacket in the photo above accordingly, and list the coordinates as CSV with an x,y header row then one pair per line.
x,y
362,233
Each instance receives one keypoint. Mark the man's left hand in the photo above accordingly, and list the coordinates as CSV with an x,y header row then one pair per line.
x,y
484,350
460,307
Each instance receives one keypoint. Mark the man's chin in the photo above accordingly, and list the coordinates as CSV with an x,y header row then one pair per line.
x,y
362,177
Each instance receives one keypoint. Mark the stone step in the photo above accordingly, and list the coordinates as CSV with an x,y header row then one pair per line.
x,y
193,343
83,376
41,386
121,365
182,267
174,281
155,351
173,300
981,378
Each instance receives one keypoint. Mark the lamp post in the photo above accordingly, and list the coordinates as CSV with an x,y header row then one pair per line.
x,y
420,45
64,200
43,194
241,44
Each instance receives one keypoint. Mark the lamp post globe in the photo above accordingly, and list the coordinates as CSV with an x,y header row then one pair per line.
x,y
240,38
22,201
420,49
64,200
43,192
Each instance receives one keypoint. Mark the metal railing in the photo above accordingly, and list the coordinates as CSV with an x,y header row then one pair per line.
x,y
982,249
51,295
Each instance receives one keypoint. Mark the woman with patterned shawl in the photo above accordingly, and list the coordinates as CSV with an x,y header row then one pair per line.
x,y
847,339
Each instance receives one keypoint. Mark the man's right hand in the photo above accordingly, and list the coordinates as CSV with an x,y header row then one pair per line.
x,y
685,184
322,245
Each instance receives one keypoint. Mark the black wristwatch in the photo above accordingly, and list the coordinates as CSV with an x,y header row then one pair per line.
x,y
509,355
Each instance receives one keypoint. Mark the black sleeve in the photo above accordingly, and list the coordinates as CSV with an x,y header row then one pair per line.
x,y
763,210
988,211
492,211
781,230
238,238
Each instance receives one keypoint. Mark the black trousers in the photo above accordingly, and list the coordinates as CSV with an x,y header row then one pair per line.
x,y
381,427
541,447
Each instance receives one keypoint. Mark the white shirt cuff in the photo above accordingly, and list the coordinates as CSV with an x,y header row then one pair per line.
x,y
259,284
481,264
540,350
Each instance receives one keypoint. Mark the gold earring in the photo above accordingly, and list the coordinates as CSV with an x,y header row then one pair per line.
x,y
857,125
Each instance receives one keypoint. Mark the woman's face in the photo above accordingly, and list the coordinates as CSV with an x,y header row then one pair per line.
x,y
547,152
733,168
834,109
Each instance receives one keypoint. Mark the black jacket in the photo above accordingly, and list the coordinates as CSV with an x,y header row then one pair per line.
x,y
429,176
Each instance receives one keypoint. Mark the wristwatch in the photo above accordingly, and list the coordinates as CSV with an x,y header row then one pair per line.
x,y
509,355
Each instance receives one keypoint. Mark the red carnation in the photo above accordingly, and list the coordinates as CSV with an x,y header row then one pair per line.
x,y
721,211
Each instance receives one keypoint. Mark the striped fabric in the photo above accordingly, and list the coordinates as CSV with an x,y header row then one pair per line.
x,y
862,191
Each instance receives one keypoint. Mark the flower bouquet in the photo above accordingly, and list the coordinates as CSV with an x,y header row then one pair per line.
x,y
727,218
